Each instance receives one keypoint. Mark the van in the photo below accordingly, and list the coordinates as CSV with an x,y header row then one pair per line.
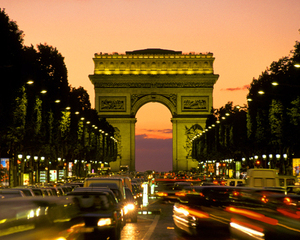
x,y
127,181
264,177
120,182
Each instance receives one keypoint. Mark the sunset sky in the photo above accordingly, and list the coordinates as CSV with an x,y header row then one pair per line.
x,y
245,36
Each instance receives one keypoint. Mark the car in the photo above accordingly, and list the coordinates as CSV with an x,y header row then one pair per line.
x,y
235,182
137,192
131,206
33,216
121,205
12,193
169,191
237,213
99,214
293,189
38,191
27,191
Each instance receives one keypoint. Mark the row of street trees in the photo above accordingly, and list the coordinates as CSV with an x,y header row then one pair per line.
x,y
40,114
269,127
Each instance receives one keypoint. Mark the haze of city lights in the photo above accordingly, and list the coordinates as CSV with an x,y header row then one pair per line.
x,y
244,36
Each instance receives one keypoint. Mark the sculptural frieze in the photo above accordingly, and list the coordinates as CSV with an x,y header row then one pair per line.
x,y
108,103
194,103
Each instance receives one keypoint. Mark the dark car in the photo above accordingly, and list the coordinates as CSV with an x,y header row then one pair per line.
x,y
121,205
137,192
38,191
33,217
170,191
99,214
131,206
237,213
27,191
11,193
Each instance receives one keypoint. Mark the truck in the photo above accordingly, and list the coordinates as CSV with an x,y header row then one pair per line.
x,y
268,178
101,181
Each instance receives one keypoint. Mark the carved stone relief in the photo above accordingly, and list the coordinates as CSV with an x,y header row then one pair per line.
x,y
112,104
190,133
194,103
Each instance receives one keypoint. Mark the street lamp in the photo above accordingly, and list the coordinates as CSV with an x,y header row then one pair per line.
x,y
261,92
29,82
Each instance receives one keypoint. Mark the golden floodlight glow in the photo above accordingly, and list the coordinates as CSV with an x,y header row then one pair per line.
x,y
261,92
30,82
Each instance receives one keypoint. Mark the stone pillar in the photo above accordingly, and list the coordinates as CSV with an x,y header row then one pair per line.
x,y
183,130
127,142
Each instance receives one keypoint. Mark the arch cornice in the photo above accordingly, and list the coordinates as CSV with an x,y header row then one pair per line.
x,y
163,99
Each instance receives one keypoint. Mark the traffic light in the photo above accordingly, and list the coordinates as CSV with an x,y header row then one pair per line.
x,y
257,163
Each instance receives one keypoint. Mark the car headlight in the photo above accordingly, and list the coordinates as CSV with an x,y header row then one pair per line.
x,y
130,207
104,222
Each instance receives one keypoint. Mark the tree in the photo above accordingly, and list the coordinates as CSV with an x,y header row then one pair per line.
x,y
11,48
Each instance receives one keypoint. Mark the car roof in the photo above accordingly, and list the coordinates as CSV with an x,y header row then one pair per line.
x,y
104,184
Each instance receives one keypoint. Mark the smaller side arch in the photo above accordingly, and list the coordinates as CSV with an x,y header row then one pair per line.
x,y
153,98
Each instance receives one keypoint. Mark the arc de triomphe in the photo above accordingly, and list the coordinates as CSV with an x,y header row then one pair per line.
x,y
182,82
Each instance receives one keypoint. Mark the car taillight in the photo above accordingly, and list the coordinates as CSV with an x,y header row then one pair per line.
x,y
264,199
162,194
180,194
235,193
287,200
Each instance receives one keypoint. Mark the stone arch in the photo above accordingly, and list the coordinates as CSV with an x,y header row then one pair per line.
x,y
153,98
124,83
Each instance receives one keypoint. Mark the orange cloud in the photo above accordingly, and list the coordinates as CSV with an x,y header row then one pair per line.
x,y
156,134
245,87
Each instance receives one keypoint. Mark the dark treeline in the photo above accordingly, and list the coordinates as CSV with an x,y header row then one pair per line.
x,y
268,127
40,113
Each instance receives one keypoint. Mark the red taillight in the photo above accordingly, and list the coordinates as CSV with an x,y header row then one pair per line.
x,y
287,200
235,193
180,194
162,194
264,199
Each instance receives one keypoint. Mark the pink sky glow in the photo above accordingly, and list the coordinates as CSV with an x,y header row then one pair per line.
x,y
244,36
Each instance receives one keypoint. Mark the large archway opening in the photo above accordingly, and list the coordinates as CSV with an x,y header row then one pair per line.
x,y
153,138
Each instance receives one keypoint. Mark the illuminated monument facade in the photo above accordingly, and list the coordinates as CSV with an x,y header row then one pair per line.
x,y
182,82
